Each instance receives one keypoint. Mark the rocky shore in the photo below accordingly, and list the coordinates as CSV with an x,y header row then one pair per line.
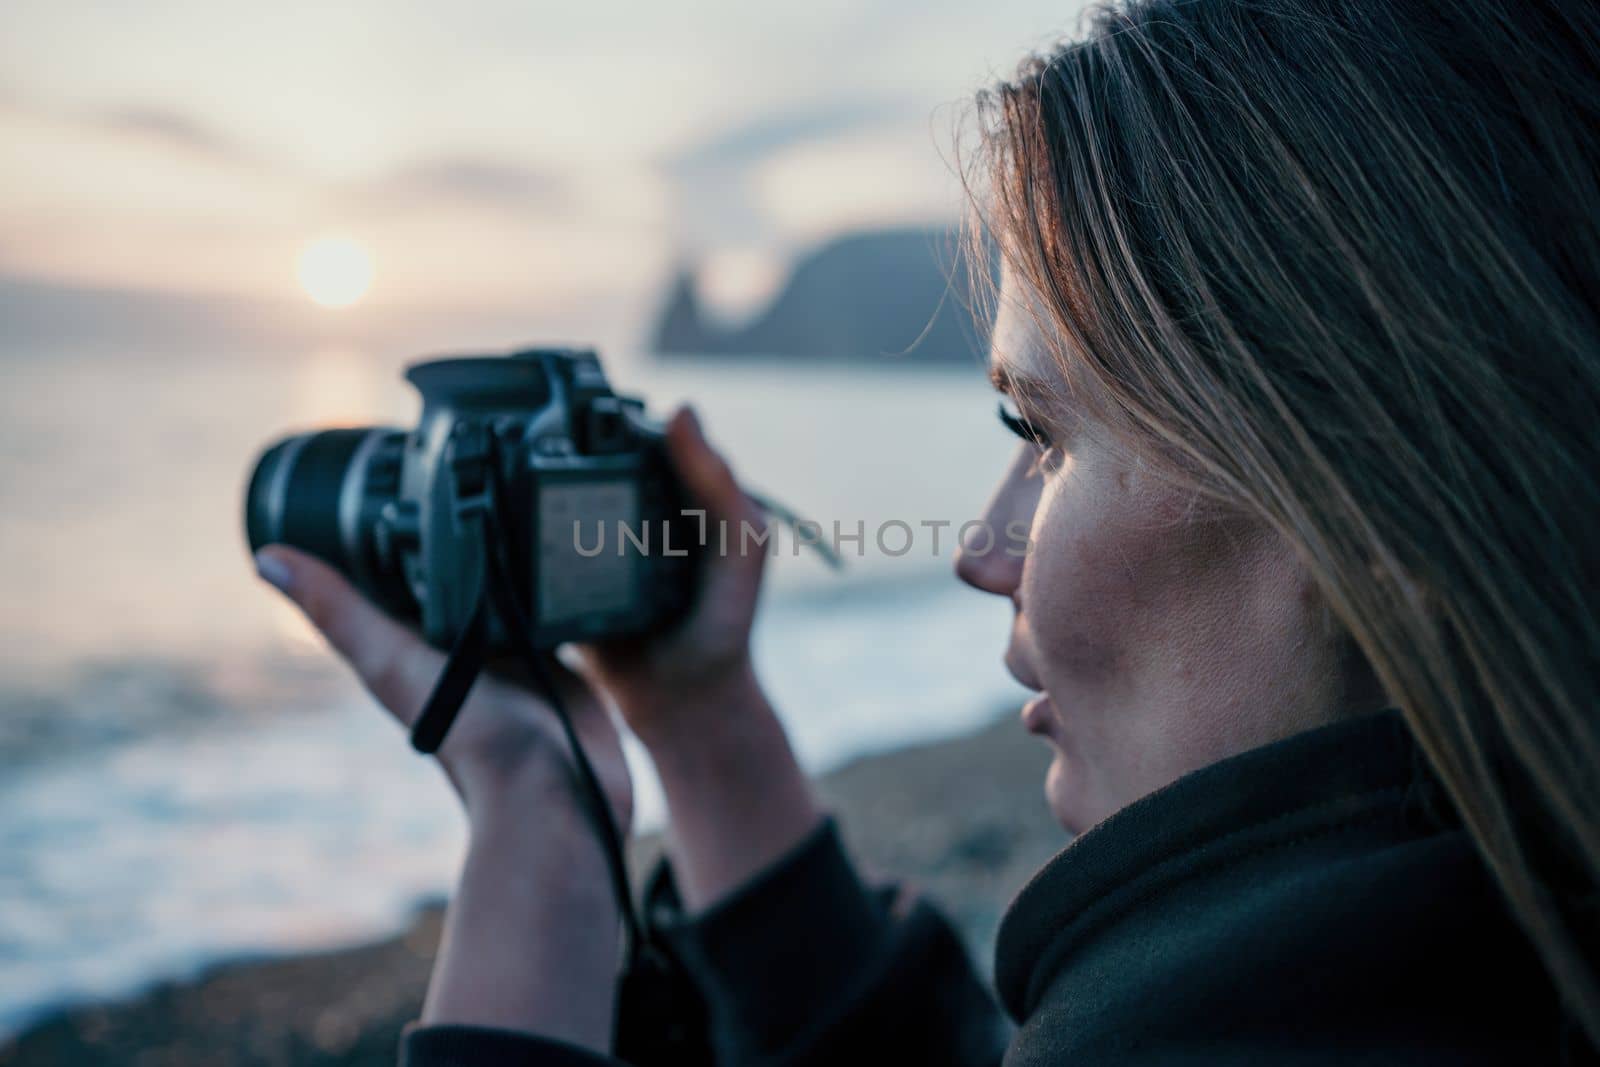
x,y
963,819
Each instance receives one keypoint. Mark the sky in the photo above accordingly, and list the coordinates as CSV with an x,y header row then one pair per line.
x,y
493,156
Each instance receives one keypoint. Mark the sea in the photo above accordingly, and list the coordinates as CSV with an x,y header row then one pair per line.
x,y
190,777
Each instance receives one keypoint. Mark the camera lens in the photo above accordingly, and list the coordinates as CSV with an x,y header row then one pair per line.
x,y
323,493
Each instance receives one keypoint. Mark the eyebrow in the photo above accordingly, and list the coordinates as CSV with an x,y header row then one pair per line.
x,y
1012,384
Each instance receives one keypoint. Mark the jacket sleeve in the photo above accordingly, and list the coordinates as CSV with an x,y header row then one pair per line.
x,y
804,964
483,1046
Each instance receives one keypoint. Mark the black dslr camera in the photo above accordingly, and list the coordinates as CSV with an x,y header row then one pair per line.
x,y
530,506
526,475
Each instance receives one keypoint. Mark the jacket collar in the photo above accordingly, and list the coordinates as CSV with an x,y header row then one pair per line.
x,y
1269,794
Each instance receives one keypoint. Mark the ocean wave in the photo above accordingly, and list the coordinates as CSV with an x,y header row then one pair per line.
x,y
161,816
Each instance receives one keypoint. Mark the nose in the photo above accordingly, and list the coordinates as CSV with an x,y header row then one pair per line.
x,y
990,557
991,571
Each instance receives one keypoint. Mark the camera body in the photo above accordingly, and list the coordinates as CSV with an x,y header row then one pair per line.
x,y
598,537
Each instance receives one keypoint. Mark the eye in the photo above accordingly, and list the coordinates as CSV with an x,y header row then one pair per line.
x,y
1020,426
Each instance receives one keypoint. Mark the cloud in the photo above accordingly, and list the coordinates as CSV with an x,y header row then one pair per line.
x,y
750,142
716,180
475,179
479,180
168,127
160,127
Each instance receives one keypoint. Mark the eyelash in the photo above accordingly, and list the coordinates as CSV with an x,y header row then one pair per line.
x,y
1024,429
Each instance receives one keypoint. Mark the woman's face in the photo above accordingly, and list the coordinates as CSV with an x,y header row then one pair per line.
x,y
1159,635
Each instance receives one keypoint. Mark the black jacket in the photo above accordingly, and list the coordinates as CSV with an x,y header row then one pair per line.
x,y
1307,902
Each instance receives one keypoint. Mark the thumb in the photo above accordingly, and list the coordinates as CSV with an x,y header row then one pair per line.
x,y
704,472
390,660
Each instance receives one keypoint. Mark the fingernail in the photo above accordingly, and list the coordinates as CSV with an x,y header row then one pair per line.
x,y
274,571
693,416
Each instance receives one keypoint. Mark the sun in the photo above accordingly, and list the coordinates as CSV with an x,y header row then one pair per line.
x,y
335,271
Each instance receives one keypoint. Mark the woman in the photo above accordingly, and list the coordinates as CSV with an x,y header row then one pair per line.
x,y
1298,313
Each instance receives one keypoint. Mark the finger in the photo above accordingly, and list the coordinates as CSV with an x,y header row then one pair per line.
x,y
704,472
395,664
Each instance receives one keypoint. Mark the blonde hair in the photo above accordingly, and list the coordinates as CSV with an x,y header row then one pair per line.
x,y
1338,263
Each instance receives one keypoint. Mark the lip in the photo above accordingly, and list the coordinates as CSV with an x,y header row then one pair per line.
x,y
1019,671
1038,716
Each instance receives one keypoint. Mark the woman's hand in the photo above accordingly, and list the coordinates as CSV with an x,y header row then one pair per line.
x,y
736,795
531,940
505,740
666,684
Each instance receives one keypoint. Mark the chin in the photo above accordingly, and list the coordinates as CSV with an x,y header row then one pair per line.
x,y
1060,792
1075,797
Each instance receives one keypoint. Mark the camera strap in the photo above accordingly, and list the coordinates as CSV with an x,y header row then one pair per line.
x,y
455,682
655,998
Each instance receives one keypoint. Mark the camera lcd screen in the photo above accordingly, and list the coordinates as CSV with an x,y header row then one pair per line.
x,y
586,563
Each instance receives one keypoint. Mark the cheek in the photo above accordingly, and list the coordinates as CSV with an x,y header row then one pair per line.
x,y
1096,587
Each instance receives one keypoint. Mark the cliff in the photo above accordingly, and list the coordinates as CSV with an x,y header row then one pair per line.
x,y
888,294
